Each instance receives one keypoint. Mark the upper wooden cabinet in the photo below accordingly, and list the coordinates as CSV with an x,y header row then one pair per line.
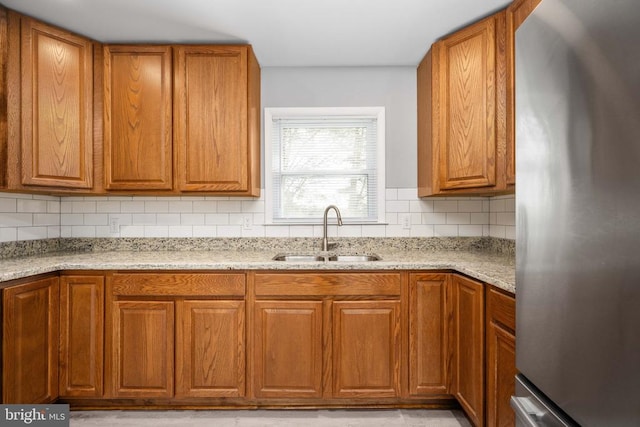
x,y
462,112
138,118
56,81
202,137
216,123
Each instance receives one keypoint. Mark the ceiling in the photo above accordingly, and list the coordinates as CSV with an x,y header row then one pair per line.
x,y
284,33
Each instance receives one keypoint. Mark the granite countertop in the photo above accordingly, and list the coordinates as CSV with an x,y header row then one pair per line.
x,y
497,269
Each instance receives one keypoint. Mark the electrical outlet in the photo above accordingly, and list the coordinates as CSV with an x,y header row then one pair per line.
x,y
405,220
247,222
114,225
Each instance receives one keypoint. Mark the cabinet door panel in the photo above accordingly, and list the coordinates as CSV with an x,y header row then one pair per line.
x,y
81,335
428,333
211,118
366,348
467,115
137,118
468,313
501,373
210,349
57,107
288,349
30,342
142,349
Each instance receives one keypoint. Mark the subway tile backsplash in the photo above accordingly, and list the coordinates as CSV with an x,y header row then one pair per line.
x,y
33,217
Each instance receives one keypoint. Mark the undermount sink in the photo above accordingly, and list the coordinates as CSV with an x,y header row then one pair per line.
x,y
298,258
354,258
322,258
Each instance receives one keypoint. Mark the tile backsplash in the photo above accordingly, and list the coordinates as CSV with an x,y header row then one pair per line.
x,y
32,217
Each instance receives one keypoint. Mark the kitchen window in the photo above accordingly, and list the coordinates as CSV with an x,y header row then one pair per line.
x,y
317,157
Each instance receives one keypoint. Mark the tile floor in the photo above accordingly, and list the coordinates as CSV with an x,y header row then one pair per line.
x,y
271,418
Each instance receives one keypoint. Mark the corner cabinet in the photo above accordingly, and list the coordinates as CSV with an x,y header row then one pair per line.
x,y
30,341
49,108
462,112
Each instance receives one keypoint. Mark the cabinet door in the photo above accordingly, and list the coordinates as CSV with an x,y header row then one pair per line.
x,y
468,341
137,118
366,349
141,350
501,358
210,349
288,349
81,336
30,342
428,334
211,119
57,107
466,66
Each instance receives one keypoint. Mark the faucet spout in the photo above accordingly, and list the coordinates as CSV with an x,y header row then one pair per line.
x,y
325,241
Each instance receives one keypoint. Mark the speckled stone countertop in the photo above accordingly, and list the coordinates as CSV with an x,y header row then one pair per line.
x,y
475,258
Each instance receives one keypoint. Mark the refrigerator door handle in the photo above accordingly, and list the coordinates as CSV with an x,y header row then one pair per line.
x,y
528,414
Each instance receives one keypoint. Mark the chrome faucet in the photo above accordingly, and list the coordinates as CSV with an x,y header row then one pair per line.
x,y
325,242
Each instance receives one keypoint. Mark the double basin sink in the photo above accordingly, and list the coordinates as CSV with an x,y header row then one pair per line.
x,y
325,258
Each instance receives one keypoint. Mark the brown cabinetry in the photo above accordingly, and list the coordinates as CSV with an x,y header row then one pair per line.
x,y
49,108
288,349
210,348
462,112
429,307
217,135
195,319
501,357
138,118
344,324
81,335
468,346
366,349
30,341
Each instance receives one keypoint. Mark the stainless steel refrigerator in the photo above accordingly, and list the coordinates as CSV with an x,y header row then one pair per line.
x,y
578,214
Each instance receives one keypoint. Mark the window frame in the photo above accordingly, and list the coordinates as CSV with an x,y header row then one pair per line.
x,y
378,113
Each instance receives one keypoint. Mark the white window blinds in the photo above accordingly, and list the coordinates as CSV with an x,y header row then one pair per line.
x,y
318,160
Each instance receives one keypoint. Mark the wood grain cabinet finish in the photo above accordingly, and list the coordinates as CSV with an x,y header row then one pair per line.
x,y
57,107
141,335
4,129
429,307
462,112
216,120
210,348
501,357
137,117
366,349
468,346
288,349
81,335
30,342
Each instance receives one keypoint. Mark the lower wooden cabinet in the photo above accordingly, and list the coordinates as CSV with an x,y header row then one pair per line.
x,y
501,357
429,308
30,341
366,349
288,349
156,319
142,349
210,348
468,346
81,335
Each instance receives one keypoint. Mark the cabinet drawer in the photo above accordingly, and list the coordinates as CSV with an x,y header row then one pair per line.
x,y
501,308
301,284
169,284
